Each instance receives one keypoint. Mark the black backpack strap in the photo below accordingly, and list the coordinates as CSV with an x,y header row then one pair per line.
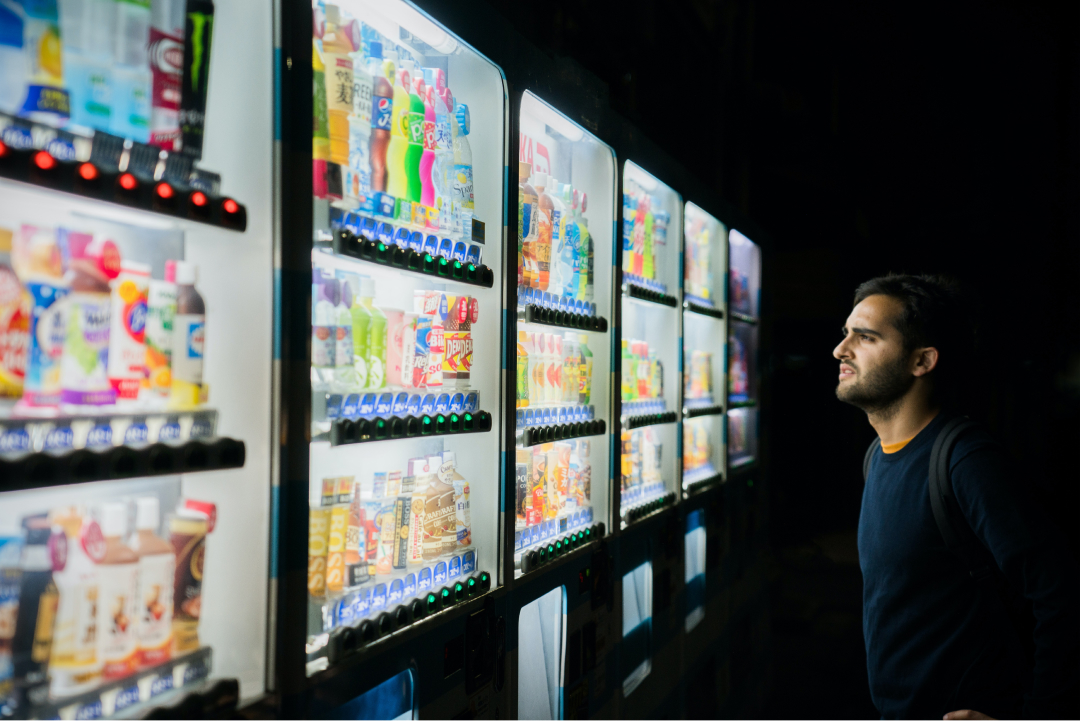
x,y
874,445
954,528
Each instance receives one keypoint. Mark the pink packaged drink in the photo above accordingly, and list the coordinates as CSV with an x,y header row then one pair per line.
x,y
84,377
398,340
127,332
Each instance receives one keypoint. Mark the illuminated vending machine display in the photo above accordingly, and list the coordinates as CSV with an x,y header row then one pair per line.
x,y
136,258
744,298
704,333
648,344
566,188
406,324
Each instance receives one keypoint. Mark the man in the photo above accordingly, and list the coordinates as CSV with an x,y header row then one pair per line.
x,y
939,644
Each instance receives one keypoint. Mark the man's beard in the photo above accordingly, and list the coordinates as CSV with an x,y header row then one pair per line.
x,y
880,390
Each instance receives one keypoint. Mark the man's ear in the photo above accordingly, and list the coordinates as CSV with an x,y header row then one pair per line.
x,y
925,360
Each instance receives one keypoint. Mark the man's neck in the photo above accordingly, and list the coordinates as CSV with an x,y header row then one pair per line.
x,y
904,420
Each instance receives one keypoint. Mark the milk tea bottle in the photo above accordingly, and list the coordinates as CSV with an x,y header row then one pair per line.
x,y
154,600
118,579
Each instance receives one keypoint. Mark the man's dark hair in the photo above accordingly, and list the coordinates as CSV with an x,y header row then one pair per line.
x,y
935,313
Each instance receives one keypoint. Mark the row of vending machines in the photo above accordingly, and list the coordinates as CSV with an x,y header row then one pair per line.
x,y
301,412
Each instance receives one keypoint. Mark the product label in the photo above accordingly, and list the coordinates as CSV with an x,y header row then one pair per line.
x,y
14,332
430,143
187,358
116,617
127,349
154,607
48,329
160,313
382,111
463,186
413,125
166,65
343,347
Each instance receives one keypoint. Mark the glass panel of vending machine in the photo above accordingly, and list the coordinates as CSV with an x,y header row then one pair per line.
x,y
649,343
406,297
136,266
704,333
744,299
566,192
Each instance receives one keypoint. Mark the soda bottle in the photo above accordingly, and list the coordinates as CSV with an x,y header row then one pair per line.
x,y
376,336
415,150
382,106
560,275
463,168
398,183
358,173
443,170
427,158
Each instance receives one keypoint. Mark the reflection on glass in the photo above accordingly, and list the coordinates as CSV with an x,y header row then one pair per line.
x,y
745,274
695,568
636,651
742,436
393,699
541,637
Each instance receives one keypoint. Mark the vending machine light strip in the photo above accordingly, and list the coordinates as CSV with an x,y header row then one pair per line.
x,y
647,508
558,547
563,432
562,319
43,469
349,639
120,698
363,430
703,309
696,411
743,318
653,419
438,266
163,183
647,294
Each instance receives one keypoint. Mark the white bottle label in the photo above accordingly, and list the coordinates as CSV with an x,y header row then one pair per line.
x,y
154,607
189,333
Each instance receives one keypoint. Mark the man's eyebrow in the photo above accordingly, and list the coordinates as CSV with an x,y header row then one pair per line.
x,y
864,331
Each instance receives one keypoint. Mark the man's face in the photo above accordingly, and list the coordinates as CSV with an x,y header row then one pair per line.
x,y
874,371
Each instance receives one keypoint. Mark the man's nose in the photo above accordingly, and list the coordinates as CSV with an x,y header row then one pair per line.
x,y
840,352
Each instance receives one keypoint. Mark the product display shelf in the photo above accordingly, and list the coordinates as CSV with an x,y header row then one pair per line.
x,y
743,318
539,315
358,634
437,267
107,170
43,452
134,695
702,309
646,506
739,402
701,484
640,293
560,432
651,419
556,548
362,430
706,409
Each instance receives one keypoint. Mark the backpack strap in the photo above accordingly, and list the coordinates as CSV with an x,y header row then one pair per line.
x,y
874,445
954,528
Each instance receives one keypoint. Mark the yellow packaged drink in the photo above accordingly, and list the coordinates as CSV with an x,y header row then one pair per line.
x,y
335,548
318,547
552,481
562,471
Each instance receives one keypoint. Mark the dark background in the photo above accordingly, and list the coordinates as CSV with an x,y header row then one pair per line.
x,y
866,138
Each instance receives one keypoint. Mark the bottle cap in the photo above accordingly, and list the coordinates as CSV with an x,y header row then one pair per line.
x,y
170,272
147,514
540,181
584,339
367,287
186,273
113,519
524,170
450,457
375,49
463,119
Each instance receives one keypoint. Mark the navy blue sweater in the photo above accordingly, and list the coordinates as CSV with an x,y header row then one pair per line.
x,y
937,642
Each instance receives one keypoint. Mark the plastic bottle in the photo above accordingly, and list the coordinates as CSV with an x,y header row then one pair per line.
x,y
537,371
543,241
588,271
361,329
398,182
427,157
570,256
30,601
14,324
75,663
571,362
87,61
443,171
131,76
553,389
154,600
626,368
187,535
40,89
84,379
345,377
376,336
320,135
463,166
562,258
339,85
528,229
382,108
160,314
358,171
523,343
585,370
189,336
323,331
118,578
127,331
415,150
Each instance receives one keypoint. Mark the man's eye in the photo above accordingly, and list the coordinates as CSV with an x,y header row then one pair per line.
x,y
866,337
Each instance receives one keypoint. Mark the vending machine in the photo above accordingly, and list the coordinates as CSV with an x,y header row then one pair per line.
x,y
137,235
649,342
400,470
562,603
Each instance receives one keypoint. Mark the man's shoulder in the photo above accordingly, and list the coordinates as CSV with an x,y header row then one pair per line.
x,y
975,442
